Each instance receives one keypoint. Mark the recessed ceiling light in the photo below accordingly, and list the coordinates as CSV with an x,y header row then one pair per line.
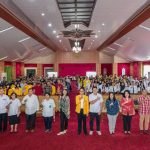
x,y
146,28
54,31
3,58
118,44
42,48
93,40
49,24
99,31
24,39
15,59
57,36
42,14
96,36
103,24
112,48
60,41
6,29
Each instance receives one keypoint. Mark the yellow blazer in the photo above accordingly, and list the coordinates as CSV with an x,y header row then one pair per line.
x,y
85,105
53,90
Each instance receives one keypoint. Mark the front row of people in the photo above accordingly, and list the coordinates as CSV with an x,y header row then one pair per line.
x,y
11,107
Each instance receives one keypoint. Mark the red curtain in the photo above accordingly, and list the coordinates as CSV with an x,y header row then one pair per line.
x,y
18,69
76,69
30,65
7,63
106,69
124,66
146,63
47,65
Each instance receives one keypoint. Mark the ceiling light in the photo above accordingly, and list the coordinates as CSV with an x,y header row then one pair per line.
x,y
146,28
96,36
118,44
6,29
15,59
103,24
3,58
49,24
24,39
99,31
76,26
57,36
42,14
112,48
93,40
76,48
54,31
42,48
60,41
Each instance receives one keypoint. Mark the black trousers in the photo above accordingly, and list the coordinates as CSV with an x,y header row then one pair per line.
x,y
48,122
127,122
63,121
92,117
3,122
30,121
82,119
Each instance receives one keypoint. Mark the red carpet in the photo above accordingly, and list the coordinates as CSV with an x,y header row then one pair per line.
x,y
71,141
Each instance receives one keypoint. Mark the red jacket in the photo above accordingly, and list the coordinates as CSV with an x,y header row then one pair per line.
x,y
127,107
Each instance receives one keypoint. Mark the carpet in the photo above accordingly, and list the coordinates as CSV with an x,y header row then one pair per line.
x,y
71,141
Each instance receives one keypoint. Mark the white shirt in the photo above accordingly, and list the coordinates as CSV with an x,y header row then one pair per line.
x,y
14,107
95,108
135,89
31,104
82,101
148,89
4,101
48,108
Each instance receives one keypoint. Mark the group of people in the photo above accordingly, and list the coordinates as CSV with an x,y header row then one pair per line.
x,y
88,102
113,107
115,84
40,85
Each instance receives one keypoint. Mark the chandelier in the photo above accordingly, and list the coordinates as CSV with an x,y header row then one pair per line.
x,y
76,48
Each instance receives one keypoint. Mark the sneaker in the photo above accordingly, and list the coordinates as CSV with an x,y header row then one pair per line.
x,y
91,133
27,131
65,131
61,133
32,130
47,130
99,133
129,132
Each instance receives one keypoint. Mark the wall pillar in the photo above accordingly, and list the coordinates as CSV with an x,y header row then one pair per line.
x,y
115,68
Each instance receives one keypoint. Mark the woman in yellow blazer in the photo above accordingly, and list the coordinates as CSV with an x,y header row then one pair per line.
x,y
82,110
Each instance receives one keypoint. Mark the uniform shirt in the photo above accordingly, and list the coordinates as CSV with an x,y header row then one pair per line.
x,y
4,101
31,104
95,108
14,107
48,108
